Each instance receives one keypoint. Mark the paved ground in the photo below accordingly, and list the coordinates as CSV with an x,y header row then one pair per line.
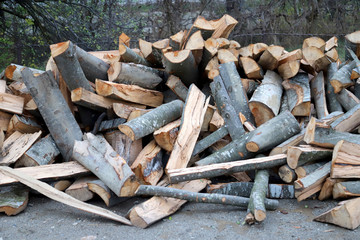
x,y
46,219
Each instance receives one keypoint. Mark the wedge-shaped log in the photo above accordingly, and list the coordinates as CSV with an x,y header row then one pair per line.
x,y
269,60
332,55
327,188
191,122
265,101
195,43
11,103
345,161
223,26
134,74
64,55
153,120
123,110
13,72
278,129
314,42
178,87
211,46
331,43
347,99
18,89
166,136
290,56
341,78
80,190
346,189
182,64
148,167
214,170
298,156
156,208
14,199
298,93
251,68
316,58
53,108
349,121
131,93
42,152
96,154
346,214
22,124
129,56
318,92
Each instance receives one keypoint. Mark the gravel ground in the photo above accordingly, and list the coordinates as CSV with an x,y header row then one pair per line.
x,y
47,219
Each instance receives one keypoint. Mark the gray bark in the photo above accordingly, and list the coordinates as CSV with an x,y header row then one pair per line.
x,y
332,103
347,99
128,55
210,140
112,124
341,79
318,93
257,197
178,87
349,121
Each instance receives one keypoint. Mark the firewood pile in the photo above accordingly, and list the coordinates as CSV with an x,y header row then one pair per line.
x,y
195,117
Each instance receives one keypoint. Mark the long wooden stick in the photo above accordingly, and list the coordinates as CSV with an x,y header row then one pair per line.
x,y
59,196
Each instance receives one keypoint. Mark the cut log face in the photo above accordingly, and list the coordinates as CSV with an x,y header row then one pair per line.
x,y
176,40
289,69
79,189
134,74
316,58
129,56
153,120
14,199
331,43
270,58
247,51
226,56
148,166
327,188
124,39
265,101
166,136
258,49
251,68
293,141
332,55
99,157
290,56
191,122
298,93
314,42
287,174
223,26
352,41
22,124
110,199
346,214
345,161
196,45
346,189
131,93
298,156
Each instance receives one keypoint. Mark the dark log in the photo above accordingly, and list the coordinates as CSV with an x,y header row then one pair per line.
x,y
200,197
265,101
64,55
318,93
214,170
153,120
53,107
257,197
347,99
100,158
112,124
14,199
299,156
349,121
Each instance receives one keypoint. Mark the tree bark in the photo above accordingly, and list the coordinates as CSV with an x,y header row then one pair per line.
x,y
341,78
299,156
209,140
293,141
153,120
178,87
129,56
349,121
347,99
332,103
346,189
305,170
257,197
318,92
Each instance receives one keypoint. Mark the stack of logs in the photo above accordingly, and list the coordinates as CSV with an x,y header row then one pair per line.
x,y
195,111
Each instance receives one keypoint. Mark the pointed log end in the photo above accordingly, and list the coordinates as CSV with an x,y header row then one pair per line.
x,y
310,131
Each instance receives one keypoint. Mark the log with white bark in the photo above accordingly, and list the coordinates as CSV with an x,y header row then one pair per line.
x,y
53,108
210,140
298,156
318,93
134,74
265,101
111,124
178,87
129,56
98,156
305,170
341,78
219,169
332,103
153,120
346,214
293,141
287,174
347,99
345,161
13,72
14,199
349,121
346,189
65,57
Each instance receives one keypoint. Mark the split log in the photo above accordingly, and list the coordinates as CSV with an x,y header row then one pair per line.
x,y
129,56
211,47
166,136
156,208
243,189
212,68
14,199
298,93
223,26
209,140
352,41
318,93
249,85
293,141
176,40
178,87
332,55
11,103
287,174
196,44
131,93
60,185
349,121
345,160
124,40
251,68
214,170
49,172
305,170
191,121
99,157
53,108
347,99
269,60
182,64
247,51
289,69
153,120
18,89
59,196
256,204
216,122
299,156
16,145
341,78
327,188
108,196
123,110
79,189
200,197
134,74
146,49
226,108
314,42
331,43
278,129
309,185
224,43
64,55
346,214
42,152
346,189
148,167
13,72
225,56
325,136
266,99
22,124
235,90
4,120
306,67
316,58
258,50
290,56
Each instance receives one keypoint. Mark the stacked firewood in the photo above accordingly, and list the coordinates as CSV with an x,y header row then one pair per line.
x,y
171,118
